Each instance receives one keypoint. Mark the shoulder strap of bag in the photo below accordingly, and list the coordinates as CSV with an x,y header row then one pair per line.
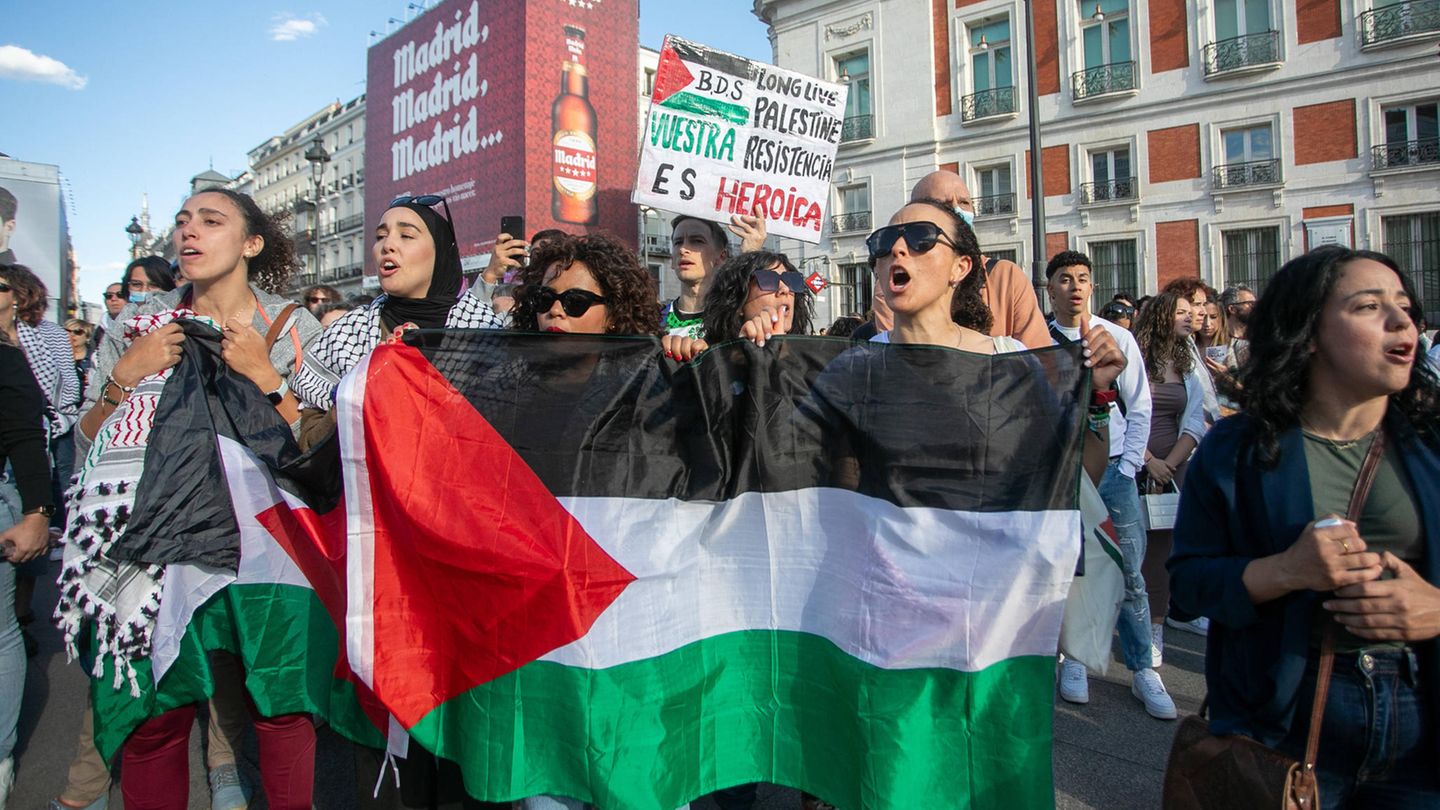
x,y
1363,482
277,326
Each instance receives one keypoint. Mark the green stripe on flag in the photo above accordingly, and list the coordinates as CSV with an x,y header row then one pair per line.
x,y
288,645
704,105
757,706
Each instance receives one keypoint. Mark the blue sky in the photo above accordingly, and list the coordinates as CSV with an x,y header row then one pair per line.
x,y
139,97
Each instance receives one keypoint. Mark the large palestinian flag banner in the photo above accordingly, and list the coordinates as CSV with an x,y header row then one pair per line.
x,y
576,568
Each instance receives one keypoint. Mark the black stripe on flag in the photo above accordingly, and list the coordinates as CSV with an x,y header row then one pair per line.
x,y
913,425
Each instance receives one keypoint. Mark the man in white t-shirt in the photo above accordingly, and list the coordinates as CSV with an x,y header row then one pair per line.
x,y
1070,286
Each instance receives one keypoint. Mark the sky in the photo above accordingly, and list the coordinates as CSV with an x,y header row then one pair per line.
x,y
136,98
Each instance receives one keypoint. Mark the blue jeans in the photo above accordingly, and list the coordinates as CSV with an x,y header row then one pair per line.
x,y
12,648
1122,499
1379,735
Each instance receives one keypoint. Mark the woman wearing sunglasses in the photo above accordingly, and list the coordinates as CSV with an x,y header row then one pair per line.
x,y
234,256
755,295
420,276
586,285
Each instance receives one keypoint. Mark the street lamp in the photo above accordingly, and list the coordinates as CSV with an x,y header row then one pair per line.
x,y
134,231
318,157
1037,185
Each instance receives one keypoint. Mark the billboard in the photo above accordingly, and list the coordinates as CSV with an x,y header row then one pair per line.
x,y
33,229
505,109
726,135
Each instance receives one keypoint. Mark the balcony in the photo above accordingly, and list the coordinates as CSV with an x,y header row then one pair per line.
x,y
347,224
857,128
995,205
848,223
1399,22
1103,80
1122,189
1243,53
987,104
304,237
345,273
1406,154
1243,175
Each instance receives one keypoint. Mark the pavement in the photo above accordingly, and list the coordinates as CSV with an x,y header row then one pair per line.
x,y
1108,753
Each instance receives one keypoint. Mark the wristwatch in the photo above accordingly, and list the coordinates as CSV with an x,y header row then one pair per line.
x,y
46,511
278,395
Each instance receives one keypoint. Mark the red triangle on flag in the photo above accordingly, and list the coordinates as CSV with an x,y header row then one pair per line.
x,y
671,75
477,567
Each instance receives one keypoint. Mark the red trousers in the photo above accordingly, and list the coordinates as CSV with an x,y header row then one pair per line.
x,y
155,769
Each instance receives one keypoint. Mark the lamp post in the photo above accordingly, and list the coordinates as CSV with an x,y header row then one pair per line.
x,y
318,157
1037,185
134,231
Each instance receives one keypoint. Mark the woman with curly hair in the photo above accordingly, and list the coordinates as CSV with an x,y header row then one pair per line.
x,y
585,285
1265,546
755,295
233,257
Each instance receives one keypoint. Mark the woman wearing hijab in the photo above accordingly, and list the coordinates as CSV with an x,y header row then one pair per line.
x,y
420,275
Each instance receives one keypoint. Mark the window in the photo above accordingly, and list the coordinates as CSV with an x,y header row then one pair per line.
x,y
854,72
1114,267
649,82
1112,177
1249,158
1251,256
1412,136
856,286
1413,241
854,209
1010,255
1105,38
992,75
997,196
1244,36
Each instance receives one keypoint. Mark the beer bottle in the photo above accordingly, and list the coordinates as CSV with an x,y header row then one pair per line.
x,y
572,126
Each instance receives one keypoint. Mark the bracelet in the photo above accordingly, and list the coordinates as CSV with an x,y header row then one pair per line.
x,y
1097,422
108,401
110,380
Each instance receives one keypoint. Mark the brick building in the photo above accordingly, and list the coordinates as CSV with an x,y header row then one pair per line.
x,y
1180,137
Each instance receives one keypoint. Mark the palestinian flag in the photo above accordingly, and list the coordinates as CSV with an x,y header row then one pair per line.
x,y
575,568
676,83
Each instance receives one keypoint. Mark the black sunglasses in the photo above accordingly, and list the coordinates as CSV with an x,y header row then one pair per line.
x,y
574,301
769,280
80,332
109,296
5,287
316,299
427,200
920,237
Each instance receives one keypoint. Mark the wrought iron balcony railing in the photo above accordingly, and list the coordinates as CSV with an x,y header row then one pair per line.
x,y
987,103
345,273
1123,188
853,221
1116,77
1242,52
995,205
1398,21
857,128
1250,173
1406,153
347,223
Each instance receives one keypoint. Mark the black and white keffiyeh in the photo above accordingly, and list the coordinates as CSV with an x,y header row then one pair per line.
x,y
356,334
47,348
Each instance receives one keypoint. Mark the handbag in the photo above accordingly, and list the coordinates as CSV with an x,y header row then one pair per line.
x,y
1158,509
1210,772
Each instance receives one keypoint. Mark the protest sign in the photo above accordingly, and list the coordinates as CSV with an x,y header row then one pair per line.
x,y
726,135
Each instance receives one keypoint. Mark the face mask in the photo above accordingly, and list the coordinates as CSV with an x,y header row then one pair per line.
x,y
139,297
968,216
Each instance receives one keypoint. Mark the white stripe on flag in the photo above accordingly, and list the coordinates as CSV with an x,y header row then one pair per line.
x,y
895,587
359,522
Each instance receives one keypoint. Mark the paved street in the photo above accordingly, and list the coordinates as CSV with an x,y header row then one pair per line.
x,y
1108,754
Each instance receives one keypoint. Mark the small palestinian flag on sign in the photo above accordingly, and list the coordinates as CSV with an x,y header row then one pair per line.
x,y
677,75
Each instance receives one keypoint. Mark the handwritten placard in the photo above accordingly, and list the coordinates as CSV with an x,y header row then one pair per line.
x,y
726,135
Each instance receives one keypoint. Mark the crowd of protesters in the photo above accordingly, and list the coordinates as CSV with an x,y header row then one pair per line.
x,y
1257,406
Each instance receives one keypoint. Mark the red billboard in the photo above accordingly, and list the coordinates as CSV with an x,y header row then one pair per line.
x,y
504,109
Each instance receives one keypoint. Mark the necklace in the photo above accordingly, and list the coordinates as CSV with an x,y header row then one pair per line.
x,y
1338,444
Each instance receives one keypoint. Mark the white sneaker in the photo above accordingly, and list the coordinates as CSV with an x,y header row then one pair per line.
x,y
1200,626
1147,686
7,779
1157,645
1074,684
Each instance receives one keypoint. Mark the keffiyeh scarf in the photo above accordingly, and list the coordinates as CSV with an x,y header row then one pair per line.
x,y
121,598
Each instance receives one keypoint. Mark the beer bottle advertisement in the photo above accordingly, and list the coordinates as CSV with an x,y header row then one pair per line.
x,y
572,124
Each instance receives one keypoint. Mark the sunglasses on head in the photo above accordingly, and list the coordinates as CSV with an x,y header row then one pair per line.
x,y
769,280
575,302
427,200
920,237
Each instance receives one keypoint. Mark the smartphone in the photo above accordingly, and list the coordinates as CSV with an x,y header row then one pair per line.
x,y
513,225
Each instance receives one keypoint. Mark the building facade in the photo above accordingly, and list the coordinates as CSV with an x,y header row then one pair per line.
x,y
1210,138
328,230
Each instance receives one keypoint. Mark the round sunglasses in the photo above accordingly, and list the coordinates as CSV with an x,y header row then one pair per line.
x,y
575,302
920,237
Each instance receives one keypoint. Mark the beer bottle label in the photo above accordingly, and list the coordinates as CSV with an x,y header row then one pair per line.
x,y
574,169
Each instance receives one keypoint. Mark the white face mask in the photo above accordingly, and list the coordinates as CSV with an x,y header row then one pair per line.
x,y
139,297
968,216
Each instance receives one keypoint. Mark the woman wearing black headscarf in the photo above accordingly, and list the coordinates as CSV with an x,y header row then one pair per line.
x,y
419,265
